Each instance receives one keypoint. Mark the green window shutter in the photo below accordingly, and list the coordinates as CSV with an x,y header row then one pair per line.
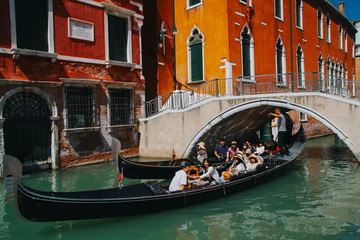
x,y
279,62
298,13
193,2
196,62
278,8
32,24
117,29
246,58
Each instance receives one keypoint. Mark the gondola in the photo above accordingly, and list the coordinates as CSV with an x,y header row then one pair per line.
x,y
153,170
144,198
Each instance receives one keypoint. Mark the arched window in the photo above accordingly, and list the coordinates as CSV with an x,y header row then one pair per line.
x,y
280,62
196,56
328,69
345,41
321,72
328,28
300,66
340,37
247,49
298,13
320,23
332,78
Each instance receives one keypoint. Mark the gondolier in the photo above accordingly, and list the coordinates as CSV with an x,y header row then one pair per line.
x,y
281,131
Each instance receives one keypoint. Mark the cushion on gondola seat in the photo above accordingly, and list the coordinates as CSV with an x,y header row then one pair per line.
x,y
155,187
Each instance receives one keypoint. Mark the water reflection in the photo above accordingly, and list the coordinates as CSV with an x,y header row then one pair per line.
x,y
318,199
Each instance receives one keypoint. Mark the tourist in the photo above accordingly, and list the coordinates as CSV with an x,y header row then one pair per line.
x,y
179,181
201,152
221,151
281,131
246,150
210,174
254,163
232,151
237,166
260,149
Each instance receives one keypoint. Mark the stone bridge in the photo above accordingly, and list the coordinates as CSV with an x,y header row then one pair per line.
x,y
234,117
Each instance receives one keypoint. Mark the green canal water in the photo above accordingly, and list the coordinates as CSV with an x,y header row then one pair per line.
x,y
319,198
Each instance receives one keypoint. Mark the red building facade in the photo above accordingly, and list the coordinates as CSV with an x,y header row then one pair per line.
x,y
70,77
241,38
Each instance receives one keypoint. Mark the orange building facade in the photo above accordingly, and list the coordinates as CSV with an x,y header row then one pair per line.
x,y
70,77
239,38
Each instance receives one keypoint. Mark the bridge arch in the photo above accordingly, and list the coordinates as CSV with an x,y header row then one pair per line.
x,y
261,107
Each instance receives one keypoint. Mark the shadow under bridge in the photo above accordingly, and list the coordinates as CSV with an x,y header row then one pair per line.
x,y
239,124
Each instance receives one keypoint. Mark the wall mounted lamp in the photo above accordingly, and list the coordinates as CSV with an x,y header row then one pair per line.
x,y
163,30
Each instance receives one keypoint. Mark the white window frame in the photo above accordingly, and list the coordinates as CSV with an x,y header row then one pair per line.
x,y
188,7
345,40
341,30
252,58
189,55
283,62
281,10
328,28
301,15
50,31
321,23
110,9
302,85
321,66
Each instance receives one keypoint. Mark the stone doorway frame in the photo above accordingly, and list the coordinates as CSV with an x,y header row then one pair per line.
x,y
54,117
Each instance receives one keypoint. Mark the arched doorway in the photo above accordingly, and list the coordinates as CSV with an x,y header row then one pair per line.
x,y
27,128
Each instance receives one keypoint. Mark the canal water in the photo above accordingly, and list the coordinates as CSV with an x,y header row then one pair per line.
x,y
319,198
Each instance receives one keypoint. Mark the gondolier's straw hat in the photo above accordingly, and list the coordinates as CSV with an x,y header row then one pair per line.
x,y
201,144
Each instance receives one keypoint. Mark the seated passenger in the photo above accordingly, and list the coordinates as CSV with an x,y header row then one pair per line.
x,y
232,151
179,181
210,172
246,150
201,152
237,166
254,162
260,149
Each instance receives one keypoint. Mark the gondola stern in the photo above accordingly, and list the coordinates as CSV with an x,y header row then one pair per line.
x,y
12,170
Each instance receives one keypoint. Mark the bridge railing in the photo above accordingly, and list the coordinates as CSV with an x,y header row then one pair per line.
x,y
253,85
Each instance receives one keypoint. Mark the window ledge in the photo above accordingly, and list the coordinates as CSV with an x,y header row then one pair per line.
x,y
328,41
78,130
194,6
112,128
320,37
196,82
245,3
300,28
18,51
110,63
280,19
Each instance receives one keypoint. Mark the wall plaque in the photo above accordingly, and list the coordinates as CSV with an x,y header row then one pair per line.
x,y
82,30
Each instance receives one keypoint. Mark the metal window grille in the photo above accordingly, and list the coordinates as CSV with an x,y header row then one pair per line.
x,y
121,107
80,106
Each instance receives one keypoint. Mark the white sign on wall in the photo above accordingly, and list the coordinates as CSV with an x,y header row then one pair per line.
x,y
82,30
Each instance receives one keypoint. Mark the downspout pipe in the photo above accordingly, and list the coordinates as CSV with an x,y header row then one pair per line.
x,y
173,47
291,47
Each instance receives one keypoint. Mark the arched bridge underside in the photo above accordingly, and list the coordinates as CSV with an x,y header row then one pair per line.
x,y
238,118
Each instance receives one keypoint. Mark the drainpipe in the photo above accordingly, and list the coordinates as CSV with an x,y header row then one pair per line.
x,y
291,48
173,48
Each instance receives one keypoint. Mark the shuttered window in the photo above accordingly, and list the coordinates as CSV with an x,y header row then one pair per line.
x,y
246,60
278,12
298,13
32,24
196,56
279,62
121,107
196,62
118,38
